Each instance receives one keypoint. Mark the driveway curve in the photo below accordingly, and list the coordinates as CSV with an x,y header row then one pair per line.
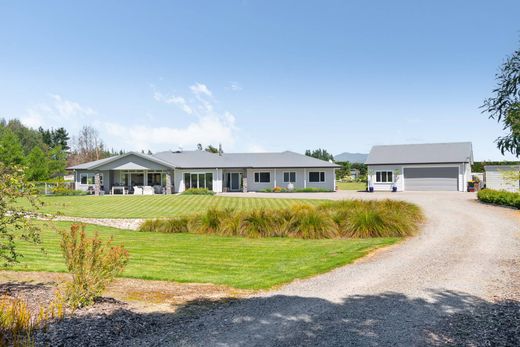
x,y
464,260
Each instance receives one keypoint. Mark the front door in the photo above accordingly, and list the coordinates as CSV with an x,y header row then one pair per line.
x,y
235,178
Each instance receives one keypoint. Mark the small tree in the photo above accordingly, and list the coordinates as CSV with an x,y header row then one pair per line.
x,y
14,223
11,151
320,153
92,263
37,165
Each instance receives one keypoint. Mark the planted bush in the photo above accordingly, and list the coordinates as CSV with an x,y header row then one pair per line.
x,y
348,218
92,263
499,197
198,191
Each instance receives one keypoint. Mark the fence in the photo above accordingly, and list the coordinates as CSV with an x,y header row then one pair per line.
x,y
49,188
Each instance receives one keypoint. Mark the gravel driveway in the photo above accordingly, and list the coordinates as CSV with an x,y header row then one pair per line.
x,y
444,286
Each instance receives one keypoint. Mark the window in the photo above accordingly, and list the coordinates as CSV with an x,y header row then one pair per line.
x,y
198,180
262,177
90,178
289,177
317,176
384,177
83,178
155,179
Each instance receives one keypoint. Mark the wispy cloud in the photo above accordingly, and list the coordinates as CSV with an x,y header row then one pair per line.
x,y
200,89
179,101
55,111
235,86
208,125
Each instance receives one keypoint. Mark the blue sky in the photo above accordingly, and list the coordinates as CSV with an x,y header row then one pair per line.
x,y
258,75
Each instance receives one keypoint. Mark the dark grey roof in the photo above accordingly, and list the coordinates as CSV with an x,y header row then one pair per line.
x,y
351,157
455,152
97,163
203,159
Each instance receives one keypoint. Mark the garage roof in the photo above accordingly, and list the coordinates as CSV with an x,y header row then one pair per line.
x,y
424,153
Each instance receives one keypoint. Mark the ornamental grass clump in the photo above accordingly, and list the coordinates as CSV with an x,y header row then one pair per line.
x,y
92,263
334,219
18,321
171,225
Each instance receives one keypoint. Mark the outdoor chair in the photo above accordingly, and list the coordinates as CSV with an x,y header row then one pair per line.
x,y
138,190
148,190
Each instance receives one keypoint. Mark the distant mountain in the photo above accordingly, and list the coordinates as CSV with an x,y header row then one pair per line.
x,y
351,157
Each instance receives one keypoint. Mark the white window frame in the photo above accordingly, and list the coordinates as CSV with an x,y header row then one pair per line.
x,y
199,173
259,175
381,176
289,173
90,176
319,178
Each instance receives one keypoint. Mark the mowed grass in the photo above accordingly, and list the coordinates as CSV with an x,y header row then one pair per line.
x,y
351,185
232,261
153,206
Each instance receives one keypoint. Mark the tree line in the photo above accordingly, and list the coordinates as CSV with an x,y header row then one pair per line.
x,y
346,166
45,153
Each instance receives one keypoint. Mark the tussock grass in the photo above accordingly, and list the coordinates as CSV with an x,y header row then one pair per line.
x,y
334,219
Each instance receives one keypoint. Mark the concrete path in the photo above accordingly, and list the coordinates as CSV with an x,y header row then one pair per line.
x,y
463,259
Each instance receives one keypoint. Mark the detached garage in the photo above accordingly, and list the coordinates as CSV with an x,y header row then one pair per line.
x,y
420,167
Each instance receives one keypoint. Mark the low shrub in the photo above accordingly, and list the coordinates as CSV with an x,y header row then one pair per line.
x,y
171,225
198,191
347,218
64,191
18,321
92,263
499,197
296,190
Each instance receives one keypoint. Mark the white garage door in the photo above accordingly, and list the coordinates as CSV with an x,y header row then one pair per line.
x,y
431,178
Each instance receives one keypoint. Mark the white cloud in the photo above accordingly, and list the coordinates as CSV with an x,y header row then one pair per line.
x,y
179,101
200,89
207,127
54,112
235,86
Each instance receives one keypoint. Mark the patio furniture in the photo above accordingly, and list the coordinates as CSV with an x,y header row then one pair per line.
x,y
158,189
148,190
138,190
123,190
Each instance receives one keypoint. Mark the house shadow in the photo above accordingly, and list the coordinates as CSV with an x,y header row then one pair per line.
x,y
445,318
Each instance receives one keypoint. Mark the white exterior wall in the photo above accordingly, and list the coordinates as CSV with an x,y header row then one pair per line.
x,y
464,175
302,179
495,180
178,178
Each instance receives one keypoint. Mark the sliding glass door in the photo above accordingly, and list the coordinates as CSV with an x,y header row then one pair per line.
x,y
198,180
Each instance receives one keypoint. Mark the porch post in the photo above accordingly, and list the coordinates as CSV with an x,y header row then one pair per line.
x,y
97,184
169,177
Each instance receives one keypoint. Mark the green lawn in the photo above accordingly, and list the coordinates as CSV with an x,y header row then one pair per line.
x,y
351,185
236,262
152,206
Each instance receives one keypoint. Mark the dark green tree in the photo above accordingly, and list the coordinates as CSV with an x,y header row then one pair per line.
x,y
57,162
504,105
60,137
29,138
37,165
11,151
319,153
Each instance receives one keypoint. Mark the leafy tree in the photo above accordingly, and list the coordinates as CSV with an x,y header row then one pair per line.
x,y
14,224
11,151
199,147
504,105
37,165
319,154
344,170
29,138
57,162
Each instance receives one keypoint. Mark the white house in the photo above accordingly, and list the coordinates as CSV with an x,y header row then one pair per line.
x,y
502,177
173,172
420,167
